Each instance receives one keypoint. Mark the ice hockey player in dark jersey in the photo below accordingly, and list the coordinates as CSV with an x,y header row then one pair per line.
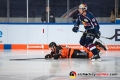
x,y
58,51
91,27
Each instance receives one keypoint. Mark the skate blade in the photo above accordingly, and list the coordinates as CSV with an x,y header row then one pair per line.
x,y
96,60
92,60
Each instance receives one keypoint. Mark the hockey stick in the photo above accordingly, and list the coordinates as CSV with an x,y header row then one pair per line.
x,y
24,59
100,36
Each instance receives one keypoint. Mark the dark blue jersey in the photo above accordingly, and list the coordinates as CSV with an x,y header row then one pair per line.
x,y
89,21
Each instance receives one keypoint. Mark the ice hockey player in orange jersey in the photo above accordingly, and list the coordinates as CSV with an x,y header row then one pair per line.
x,y
58,51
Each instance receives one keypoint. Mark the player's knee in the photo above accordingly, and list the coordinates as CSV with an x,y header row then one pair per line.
x,y
82,42
88,41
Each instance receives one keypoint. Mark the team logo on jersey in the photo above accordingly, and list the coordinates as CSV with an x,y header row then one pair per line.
x,y
85,20
95,24
93,20
72,74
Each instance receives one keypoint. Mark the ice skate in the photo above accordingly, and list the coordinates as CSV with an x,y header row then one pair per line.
x,y
96,57
97,43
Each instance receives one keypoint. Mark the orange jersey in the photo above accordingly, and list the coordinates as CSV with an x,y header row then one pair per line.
x,y
67,52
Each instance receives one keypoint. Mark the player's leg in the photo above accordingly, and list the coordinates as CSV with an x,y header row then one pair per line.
x,y
89,44
78,54
83,42
82,39
100,45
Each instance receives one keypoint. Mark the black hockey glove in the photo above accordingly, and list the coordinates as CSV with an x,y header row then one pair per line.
x,y
75,29
97,34
48,56
56,56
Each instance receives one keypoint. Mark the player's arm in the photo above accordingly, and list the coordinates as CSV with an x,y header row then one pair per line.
x,y
58,55
76,26
96,26
58,52
95,23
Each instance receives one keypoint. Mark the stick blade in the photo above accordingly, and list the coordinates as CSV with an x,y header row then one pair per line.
x,y
111,37
24,59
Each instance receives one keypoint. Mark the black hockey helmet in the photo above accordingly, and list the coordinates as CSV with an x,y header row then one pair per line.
x,y
52,44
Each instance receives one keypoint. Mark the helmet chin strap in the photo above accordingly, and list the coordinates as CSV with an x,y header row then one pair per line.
x,y
82,12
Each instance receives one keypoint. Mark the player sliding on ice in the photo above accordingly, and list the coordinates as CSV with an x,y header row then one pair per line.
x,y
58,51
91,27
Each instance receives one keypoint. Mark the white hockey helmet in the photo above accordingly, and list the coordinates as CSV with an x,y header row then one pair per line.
x,y
83,6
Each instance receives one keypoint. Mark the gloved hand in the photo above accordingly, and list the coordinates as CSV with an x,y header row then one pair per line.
x,y
97,34
48,56
56,56
75,29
